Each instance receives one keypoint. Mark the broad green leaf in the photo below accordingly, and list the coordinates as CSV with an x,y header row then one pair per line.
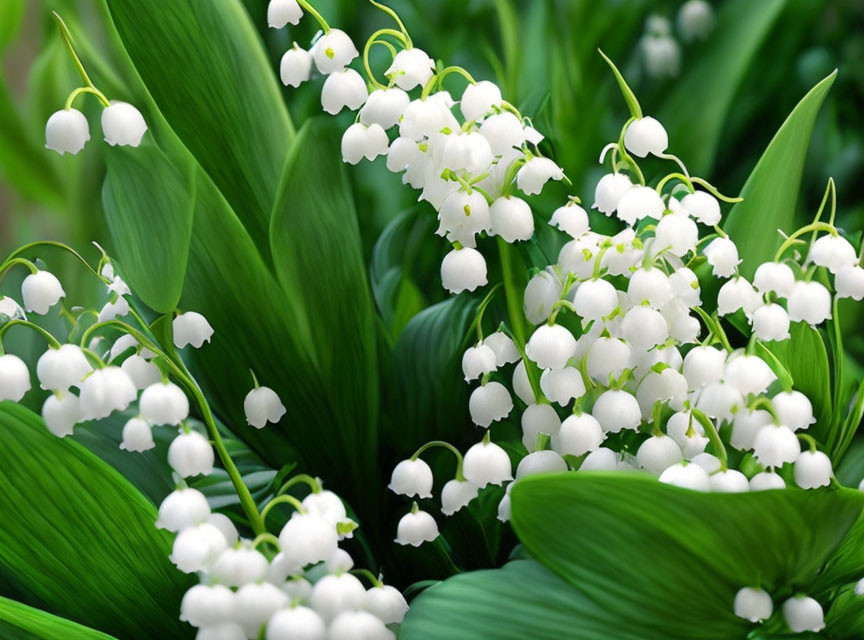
x,y
78,540
771,192
207,71
845,618
642,548
149,203
522,600
846,564
695,109
21,622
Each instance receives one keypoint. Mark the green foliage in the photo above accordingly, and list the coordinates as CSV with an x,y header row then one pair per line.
x,y
21,622
78,540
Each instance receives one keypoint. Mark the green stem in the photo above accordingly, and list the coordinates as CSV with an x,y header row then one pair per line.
x,y
813,226
283,499
35,327
50,243
715,328
445,445
71,99
398,20
710,188
810,440
11,262
478,319
767,405
369,576
711,430
265,537
312,12
305,478
366,49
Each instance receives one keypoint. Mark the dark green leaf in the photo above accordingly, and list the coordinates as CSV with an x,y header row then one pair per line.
x,y
20,622
845,618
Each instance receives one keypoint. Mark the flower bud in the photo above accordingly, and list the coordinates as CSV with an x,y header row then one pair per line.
x,y
687,476
729,481
344,88
813,470
486,463
616,410
662,56
550,346
410,478
191,328
386,603
512,219
113,310
833,253
503,347
308,538
542,291
722,255
646,135
644,327
255,604
749,374
766,480
775,277
658,453
60,412
190,454
849,283
207,606
359,625
14,378
793,409
142,372
238,566
736,294
10,310
334,51
535,173
296,623
562,385
776,445
571,219
859,587
489,403
197,547
164,403
640,202
340,562
771,322
183,508
457,494
66,131
522,385
137,435
282,12
609,191
703,207
478,99
803,613
123,124
261,405
105,391
41,291
411,68
478,361
695,22
595,299
753,604
415,528
809,302
295,66
463,270
504,510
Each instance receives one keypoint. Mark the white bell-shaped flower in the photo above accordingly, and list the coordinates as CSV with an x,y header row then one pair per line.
x,y
487,463
707,461
386,603
358,625
10,310
480,98
749,374
361,141
687,432
685,286
601,459
735,294
197,547
609,191
722,255
775,445
640,202
60,412
578,256
579,434
190,454
142,372
776,277
123,344
729,481
308,538
463,270
562,385
661,55
813,470
384,107
537,419
255,604
848,283
794,409
426,118
191,328
572,219
469,152
695,22
833,253
334,594
616,410
489,403
14,378
745,425
123,124
595,299
522,385
223,631
411,68
683,327
550,346
282,12
504,131
40,291
504,509
113,310
415,528
503,347
67,131
667,386
137,435
183,508
164,403
540,462
771,322
803,613
541,293
720,400
687,476
224,524
457,494
344,88
105,391
608,357
327,505
261,405
644,327
478,361
295,67
809,302
753,604
535,173
239,565
703,207
464,214
658,453
296,623
207,605
649,285
646,135
410,478
678,235
512,219
334,51
767,480
704,365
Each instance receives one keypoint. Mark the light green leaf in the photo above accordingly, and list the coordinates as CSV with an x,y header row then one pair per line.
x,y
148,203
79,540
21,622
642,548
207,71
771,192
626,91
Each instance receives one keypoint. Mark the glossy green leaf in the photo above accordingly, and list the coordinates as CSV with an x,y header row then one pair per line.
x,y
148,203
847,562
696,107
20,622
78,540
845,618
207,71
771,192
642,548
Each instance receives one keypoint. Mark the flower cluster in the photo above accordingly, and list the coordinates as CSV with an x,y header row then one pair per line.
x,y
661,53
